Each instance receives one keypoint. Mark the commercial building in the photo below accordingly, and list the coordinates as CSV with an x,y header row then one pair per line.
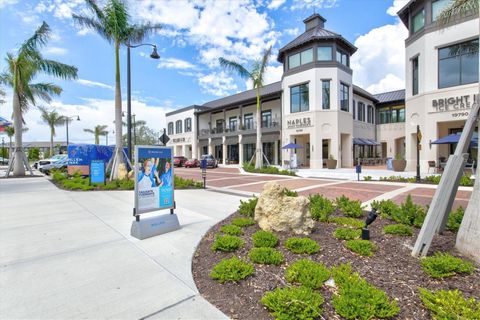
x,y
317,106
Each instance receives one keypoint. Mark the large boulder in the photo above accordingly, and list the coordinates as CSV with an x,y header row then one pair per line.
x,y
277,212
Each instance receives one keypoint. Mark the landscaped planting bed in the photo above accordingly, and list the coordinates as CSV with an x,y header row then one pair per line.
x,y
390,276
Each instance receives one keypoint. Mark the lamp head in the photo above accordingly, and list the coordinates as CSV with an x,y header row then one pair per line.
x,y
154,54
372,215
78,118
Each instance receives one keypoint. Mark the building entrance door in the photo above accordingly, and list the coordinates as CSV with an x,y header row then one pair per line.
x,y
232,153
219,153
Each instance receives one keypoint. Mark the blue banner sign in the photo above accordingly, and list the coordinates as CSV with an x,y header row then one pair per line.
x,y
154,183
97,171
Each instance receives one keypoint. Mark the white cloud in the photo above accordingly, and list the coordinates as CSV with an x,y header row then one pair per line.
x,y
272,74
173,63
85,31
4,3
89,83
56,51
309,4
275,4
217,83
396,6
292,32
379,63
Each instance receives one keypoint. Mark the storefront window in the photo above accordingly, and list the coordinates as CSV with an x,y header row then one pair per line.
x,y
344,97
248,121
458,64
324,53
418,21
325,94
391,114
299,98
248,151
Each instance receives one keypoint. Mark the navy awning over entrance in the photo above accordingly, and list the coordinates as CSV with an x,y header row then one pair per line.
x,y
292,146
454,138
365,142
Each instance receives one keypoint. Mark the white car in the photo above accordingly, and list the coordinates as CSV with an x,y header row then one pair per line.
x,y
40,163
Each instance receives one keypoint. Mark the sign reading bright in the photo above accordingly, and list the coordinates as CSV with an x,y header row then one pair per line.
x,y
454,103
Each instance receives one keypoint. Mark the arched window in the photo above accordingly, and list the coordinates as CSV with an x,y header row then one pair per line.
x,y
178,126
188,124
170,128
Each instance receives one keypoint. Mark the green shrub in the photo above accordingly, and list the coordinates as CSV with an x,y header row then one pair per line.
x,y
445,304
386,208
361,247
293,303
227,243
247,208
433,179
455,219
243,222
321,208
351,222
290,193
58,176
302,245
347,233
398,229
231,230
264,239
442,265
409,213
308,273
465,181
367,178
357,299
232,269
182,183
266,169
351,208
266,256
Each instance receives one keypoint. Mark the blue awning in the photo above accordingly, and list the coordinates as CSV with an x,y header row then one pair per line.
x,y
365,142
454,138
292,146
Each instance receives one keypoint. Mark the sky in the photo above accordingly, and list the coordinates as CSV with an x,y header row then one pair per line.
x,y
194,35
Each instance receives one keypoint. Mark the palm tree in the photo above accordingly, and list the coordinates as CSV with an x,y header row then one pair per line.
x,y
111,23
98,131
22,69
53,119
256,75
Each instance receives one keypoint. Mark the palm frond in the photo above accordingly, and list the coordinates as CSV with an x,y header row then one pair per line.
x,y
457,8
44,91
58,69
137,33
94,24
93,6
265,58
39,38
89,131
233,66
116,20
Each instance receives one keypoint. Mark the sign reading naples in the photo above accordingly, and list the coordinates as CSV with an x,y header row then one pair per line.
x,y
154,178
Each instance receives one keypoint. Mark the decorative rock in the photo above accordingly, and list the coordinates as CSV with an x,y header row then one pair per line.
x,y
277,212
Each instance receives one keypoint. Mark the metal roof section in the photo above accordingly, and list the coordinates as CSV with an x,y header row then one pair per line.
x,y
314,31
391,96
364,93
194,106
242,97
403,13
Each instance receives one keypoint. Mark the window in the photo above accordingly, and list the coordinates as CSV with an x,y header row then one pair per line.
x,y
354,110
344,97
188,124
458,64
361,111
248,151
391,114
219,126
178,126
170,128
342,58
299,98
415,76
248,121
301,58
266,119
324,53
418,21
325,94
438,6
370,114
232,124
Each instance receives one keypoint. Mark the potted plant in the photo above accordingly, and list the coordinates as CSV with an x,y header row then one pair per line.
x,y
331,162
399,164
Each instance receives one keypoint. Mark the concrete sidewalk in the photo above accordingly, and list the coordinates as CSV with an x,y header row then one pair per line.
x,y
70,255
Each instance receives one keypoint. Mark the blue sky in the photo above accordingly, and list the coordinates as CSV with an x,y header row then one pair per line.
x,y
195,34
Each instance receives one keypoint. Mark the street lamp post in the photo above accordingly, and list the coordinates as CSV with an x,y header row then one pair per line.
x,y
67,119
153,55
419,146
134,130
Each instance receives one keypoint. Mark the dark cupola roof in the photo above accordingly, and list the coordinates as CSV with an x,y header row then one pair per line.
x,y
314,31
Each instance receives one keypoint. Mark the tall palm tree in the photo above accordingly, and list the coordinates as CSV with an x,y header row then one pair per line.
x,y
53,119
98,131
22,68
256,75
111,23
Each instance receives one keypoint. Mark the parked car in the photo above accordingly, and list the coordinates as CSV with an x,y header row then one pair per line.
x,y
3,161
40,163
179,161
58,165
192,163
211,161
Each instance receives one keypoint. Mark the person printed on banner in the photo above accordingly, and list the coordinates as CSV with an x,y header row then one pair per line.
x,y
148,176
166,177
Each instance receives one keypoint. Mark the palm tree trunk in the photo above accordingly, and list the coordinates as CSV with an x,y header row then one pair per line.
x,y
97,140
18,167
51,142
118,114
10,148
259,151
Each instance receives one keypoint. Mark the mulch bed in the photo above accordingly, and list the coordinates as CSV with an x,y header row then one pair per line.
x,y
391,268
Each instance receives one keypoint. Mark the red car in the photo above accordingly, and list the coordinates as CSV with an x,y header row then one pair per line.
x,y
192,163
179,161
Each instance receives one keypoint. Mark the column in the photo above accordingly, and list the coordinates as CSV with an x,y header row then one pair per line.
x,y
195,148
184,150
210,147
275,153
224,150
240,150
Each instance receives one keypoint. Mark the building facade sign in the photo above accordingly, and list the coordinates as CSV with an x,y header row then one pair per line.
x,y
177,140
454,103
299,123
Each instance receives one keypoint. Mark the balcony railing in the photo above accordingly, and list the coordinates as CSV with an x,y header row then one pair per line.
x,y
239,129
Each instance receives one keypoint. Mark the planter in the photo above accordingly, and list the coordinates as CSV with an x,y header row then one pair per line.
x,y
331,164
399,165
